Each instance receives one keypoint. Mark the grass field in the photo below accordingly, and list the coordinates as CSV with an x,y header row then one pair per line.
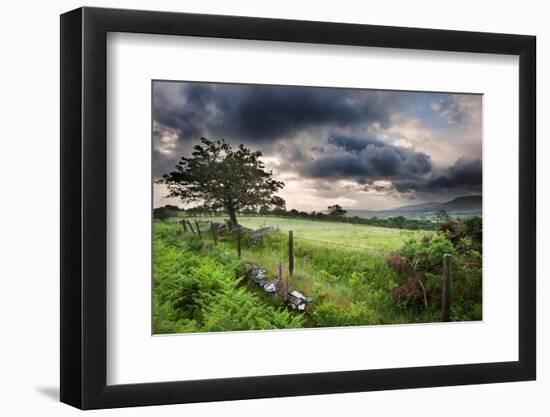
x,y
326,254
353,274
369,237
341,266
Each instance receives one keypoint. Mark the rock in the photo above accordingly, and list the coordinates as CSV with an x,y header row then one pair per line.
x,y
257,275
270,287
244,230
298,301
299,296
259,234
217,226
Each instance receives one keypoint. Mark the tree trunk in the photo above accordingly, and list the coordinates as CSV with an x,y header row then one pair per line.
x,y
232,215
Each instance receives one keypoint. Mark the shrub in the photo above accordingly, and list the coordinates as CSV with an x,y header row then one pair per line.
x,y
194,244
327,314
419,265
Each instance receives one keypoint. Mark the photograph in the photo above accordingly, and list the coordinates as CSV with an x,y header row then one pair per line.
x,y
288,207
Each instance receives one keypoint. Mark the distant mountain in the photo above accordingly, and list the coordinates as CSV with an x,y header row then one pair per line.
x,y
459,207
468,203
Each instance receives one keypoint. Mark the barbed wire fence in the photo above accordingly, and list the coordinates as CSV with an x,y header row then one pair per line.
x,y
328,255
276,248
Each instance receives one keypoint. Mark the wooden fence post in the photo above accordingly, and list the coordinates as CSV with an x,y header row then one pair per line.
x,y
446,292
190,226
213,233
286,287
290,252
198,229
239,241
184,225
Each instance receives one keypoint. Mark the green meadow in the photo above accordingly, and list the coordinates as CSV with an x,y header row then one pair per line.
x,y
352,274
371,237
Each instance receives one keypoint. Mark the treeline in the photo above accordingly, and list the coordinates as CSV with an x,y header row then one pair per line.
x,y
397,222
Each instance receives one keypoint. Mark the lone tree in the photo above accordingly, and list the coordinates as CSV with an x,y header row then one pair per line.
x,y
336,211
218,176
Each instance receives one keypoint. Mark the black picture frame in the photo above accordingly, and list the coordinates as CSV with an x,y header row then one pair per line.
x,y
84,207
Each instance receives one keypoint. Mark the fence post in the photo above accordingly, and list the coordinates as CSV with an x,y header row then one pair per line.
x,y
213,233
290,252
446,292
198,229
286,288
190,226
184,225
239,241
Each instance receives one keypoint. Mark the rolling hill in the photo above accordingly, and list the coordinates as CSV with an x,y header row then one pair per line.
x,y
459,207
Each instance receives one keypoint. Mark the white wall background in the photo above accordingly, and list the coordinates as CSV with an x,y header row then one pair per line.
x,y
29,228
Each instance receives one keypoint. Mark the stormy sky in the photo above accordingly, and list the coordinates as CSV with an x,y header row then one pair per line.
x,y
362,149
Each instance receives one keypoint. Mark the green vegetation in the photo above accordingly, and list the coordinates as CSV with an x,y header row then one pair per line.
x,y
165,212
336,214
370,237
220,177
420,265
355,274
194,292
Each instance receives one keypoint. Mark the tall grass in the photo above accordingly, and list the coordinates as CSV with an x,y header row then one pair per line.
x,y
349,285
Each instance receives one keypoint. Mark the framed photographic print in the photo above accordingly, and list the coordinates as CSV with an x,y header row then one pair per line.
x,y
258,207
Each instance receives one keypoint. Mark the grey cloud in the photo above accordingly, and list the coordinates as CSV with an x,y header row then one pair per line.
x,y
368,159
265,113
321,134
463,173
456,108
352,144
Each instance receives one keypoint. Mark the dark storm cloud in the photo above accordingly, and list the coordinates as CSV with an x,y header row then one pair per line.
x,y
259,116
322,135
292,109
264,113
186,116
368,159
463,173
407,185
352,144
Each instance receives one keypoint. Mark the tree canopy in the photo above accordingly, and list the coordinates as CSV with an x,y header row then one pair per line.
x,y
336,211
220,177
